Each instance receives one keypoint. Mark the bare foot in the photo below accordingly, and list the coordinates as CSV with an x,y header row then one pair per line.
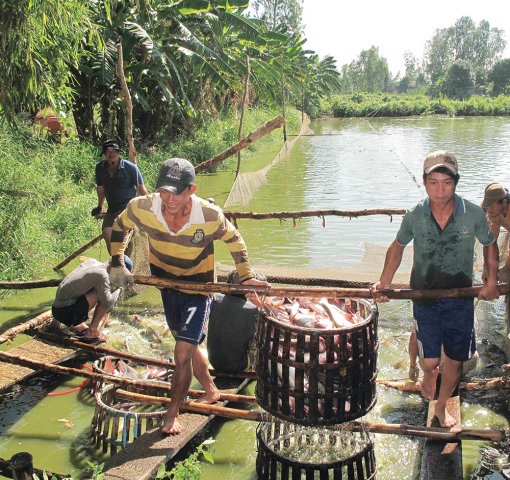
x,y
414,373
171,426
445,419
428,384
211,396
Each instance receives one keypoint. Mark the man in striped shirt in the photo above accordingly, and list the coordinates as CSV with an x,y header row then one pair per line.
x,y
181,228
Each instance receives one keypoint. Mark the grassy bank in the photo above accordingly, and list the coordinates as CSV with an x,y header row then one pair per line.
x,y
393,105
47,189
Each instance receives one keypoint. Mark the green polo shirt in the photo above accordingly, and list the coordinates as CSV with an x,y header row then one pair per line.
x,y
444,259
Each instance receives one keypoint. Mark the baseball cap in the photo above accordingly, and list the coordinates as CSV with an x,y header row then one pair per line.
x,y
175,175
438,159
110,144
493,193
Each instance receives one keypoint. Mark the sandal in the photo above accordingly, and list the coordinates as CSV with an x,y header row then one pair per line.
x,y
82,337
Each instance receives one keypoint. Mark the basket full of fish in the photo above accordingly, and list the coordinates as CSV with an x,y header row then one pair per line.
x,y
317,359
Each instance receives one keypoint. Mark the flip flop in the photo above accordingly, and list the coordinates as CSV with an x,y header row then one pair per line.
x,y
101,338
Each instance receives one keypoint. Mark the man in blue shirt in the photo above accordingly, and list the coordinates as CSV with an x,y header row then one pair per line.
x,y
443,227
118,181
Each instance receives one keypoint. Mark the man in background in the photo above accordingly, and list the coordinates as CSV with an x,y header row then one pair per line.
x,y
496,202
118,181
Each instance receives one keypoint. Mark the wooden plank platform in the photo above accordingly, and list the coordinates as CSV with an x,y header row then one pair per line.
x,y
141,459
441,460
33,350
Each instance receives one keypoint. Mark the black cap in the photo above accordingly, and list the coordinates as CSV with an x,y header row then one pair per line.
x,y
110,144
175,175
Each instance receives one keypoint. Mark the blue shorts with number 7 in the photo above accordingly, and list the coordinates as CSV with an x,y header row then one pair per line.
x,y
186,315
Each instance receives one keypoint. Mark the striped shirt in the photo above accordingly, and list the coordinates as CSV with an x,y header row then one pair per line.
x,y
188,254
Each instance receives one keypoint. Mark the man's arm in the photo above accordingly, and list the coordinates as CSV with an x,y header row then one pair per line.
x,y
104,294
120,276
141,190
491,261
100,196
391,263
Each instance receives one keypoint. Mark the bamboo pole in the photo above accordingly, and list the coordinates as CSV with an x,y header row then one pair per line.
x,y
454,434
78,252
36,365
497,383
235,289
53,282
268,127
315,213
281,279
100,351
315,281
38,321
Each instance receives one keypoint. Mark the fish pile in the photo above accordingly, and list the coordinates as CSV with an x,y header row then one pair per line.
x,y
317,313
120,368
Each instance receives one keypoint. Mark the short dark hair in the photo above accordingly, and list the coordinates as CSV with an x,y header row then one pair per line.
x,y
445,171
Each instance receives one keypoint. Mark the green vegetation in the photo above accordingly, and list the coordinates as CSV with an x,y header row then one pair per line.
x,y
188,469
458,62
47,189
183,61
395,105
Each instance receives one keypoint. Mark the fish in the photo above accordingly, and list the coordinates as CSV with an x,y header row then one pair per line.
x,y
338,317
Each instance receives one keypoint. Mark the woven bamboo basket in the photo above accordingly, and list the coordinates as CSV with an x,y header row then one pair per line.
x,y
287,451
298,384
116,423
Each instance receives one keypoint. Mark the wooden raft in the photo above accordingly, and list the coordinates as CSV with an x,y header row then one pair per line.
x,y
33,350
141,459
441,460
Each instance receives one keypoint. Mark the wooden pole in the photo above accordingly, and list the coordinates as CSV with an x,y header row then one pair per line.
x,y
36,365
498,383
454,434
53,282
315,213
235,289
243,108
282,279
268,127
129,104
38,321
100,351
78,252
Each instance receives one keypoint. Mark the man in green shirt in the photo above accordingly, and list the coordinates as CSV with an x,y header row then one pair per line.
x,y
443,227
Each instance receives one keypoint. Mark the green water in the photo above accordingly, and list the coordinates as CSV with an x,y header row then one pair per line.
x,y
350,165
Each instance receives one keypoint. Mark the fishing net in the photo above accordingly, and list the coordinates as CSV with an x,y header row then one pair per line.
x,y
246,184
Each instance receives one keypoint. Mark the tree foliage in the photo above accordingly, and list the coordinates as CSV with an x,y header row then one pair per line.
x,y
368,73
500,77
459,81
39,41
281,13
182,60
478,45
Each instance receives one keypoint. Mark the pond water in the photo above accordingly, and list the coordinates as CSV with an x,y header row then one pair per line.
x,y
349,164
